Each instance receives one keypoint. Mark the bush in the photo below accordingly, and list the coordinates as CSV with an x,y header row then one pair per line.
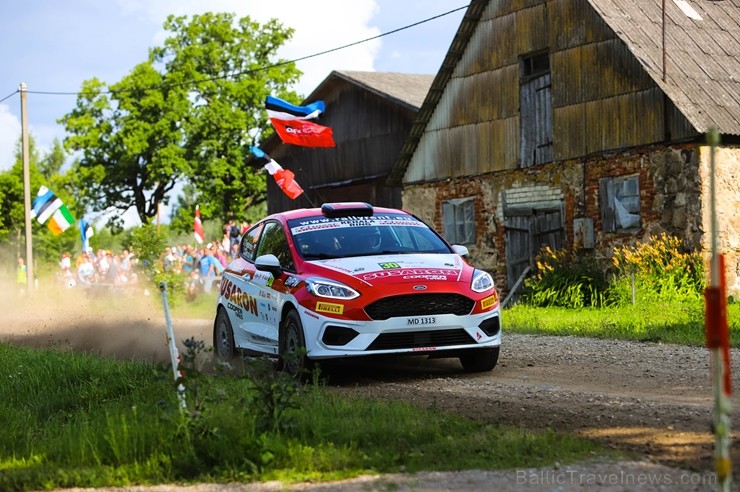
x,y
566,278
663,269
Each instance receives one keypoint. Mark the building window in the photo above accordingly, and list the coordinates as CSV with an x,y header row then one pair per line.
x,y
620,203
458,218
535,110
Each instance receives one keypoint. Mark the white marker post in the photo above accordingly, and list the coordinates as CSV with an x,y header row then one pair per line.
x,y
174,354
718,339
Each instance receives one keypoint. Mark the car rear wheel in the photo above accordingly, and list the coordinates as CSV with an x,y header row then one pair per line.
x,y
293,358
223,336
480,360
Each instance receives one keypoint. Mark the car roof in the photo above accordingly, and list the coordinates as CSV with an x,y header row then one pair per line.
x,y
311,212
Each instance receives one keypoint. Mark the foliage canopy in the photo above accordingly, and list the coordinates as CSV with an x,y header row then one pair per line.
x,y
187,114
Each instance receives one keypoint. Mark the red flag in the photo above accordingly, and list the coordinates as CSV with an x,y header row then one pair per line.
x,y
285,179
198,227
303,133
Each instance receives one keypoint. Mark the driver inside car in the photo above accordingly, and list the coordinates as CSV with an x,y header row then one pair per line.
x,y
363,241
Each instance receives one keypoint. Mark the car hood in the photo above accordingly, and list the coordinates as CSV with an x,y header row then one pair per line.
x,y
397,268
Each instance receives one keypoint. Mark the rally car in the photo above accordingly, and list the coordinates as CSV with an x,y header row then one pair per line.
x,y
350,280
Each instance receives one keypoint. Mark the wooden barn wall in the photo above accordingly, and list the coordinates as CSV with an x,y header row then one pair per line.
x,y
369,132
602,99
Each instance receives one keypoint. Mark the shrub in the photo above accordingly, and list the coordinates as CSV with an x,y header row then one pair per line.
x,y
663,269
566,278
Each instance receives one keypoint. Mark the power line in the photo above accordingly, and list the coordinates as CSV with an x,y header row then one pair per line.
x,y
10,95
259,69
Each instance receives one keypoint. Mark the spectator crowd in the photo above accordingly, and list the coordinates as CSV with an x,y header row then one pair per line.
x,y
202,264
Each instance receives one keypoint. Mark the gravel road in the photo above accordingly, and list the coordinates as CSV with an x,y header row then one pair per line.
x,y
653,401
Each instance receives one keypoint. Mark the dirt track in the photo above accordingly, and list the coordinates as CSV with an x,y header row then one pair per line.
x,y
649,399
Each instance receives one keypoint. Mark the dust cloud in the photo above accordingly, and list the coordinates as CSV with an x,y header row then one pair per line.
x,y
129,326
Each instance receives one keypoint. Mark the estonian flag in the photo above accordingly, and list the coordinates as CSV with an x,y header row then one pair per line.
x,y
284,178
283,110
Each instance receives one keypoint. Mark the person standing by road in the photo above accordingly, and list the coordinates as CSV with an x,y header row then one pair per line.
x,y
22,276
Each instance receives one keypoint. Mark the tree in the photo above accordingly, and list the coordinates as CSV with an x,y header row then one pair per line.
x,y
188,113
12,203
51,164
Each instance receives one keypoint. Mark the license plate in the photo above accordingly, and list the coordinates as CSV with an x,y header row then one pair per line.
x,y
421,320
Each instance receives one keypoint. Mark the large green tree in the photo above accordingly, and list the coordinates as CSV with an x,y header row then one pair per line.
x,y
186,115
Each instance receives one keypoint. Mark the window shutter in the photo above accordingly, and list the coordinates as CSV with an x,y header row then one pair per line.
x,y
606,204
448,218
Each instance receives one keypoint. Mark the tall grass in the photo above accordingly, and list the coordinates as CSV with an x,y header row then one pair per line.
x,y
658,270
74,420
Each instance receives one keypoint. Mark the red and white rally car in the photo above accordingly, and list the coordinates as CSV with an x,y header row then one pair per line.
x,y
350,280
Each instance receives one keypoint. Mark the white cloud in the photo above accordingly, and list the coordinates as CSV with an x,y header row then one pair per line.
x,y
10,132
347,22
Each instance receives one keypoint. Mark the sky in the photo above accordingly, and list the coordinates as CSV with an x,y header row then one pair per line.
x,y
53,47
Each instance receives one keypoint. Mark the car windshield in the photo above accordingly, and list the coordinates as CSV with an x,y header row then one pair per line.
x,y
320,238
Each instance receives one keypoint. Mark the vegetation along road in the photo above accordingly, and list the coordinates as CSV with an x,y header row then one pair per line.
x,y
651,399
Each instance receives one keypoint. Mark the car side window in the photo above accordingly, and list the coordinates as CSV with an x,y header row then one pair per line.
x,y
274,242
249,242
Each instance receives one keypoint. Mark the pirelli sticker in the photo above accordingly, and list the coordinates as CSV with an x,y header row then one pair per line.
x,y
329,307
489,301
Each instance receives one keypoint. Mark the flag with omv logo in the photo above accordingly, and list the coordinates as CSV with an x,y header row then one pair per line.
x,y
50,210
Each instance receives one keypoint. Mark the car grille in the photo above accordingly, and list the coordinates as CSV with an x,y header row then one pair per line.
x,y
419,305
420,339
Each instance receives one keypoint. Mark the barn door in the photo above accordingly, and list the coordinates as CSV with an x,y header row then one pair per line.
x,y
528,231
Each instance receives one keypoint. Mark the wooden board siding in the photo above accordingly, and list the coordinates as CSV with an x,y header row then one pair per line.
x,y
602,99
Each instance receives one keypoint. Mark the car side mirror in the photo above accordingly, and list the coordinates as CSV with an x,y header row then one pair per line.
x,y
269,263
461,250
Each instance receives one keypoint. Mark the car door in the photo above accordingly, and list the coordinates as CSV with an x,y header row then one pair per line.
x,y
240,295
269,290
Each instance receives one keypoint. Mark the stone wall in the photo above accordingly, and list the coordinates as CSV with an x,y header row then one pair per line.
x,y
673,199
727,189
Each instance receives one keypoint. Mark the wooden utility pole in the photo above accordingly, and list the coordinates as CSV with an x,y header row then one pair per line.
x,y
26,189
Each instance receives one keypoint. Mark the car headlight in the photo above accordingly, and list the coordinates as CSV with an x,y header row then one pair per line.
x,y
482,281
328,288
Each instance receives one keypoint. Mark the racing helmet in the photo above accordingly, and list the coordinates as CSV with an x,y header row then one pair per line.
x,y
369,237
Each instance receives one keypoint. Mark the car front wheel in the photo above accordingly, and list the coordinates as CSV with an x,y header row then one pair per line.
x,y
480,360
223,336
293,358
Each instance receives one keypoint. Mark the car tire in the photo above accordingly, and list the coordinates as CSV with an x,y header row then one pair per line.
x,y
480,360
293,358
223,336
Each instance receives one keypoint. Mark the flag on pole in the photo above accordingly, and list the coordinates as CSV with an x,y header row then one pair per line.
x,y
283,110
198,227
303,133
292,125
49,209
86,232
284,178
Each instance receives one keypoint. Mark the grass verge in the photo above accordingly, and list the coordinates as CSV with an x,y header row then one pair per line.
x,y
676,322
75,420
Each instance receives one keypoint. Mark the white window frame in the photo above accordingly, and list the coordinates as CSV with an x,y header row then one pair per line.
x,y
458,220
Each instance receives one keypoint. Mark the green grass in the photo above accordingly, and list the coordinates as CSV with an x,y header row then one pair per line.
x,y
75,420
675,322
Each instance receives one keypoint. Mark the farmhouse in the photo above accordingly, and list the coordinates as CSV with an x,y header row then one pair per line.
x,y
579,123
371,114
